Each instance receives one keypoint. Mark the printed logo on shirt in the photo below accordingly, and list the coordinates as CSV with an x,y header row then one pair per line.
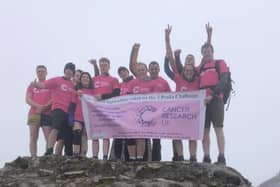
x,y
183,88
64,87
99,84
36,90
136,89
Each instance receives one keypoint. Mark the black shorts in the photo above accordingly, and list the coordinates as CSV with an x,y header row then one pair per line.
x,y
45,120
215,113
59,119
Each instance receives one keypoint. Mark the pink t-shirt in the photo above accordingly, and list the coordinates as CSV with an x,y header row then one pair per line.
x,y
209,77
104,84
183,85
62,92
161,85
138,86
78,116
124,87
40,96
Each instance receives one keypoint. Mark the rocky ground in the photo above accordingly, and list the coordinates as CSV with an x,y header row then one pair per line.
x,y
51,171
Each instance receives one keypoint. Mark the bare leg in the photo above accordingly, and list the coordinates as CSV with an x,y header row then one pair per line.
x,y
95,148
84,147
140,148
34,132
106,145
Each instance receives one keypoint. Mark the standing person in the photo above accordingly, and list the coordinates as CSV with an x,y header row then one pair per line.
x,y
139,149
214,82
65,136
62,91
105,87
83,87
38,115
119,146
161,85
185,81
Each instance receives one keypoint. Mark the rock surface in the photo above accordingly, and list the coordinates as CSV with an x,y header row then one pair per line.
x,y
273,182
53,171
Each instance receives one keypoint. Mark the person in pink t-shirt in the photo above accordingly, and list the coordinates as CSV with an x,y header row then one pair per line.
x,y
38,115
141,85
214,83
119,146
161,85
83,87
62,90
105,87
187,81
65,135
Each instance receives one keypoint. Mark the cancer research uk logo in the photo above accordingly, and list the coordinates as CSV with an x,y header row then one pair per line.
x,y
144,113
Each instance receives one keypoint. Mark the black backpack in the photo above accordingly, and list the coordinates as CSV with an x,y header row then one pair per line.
x,y
228,90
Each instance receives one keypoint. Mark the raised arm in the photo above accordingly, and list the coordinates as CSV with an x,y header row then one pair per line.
x,y
95,67
167,69
209,30
178,62
133,59
169,49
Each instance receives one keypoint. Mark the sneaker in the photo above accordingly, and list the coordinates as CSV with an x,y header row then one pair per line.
x,y
206,159
193,159
221,160
49,151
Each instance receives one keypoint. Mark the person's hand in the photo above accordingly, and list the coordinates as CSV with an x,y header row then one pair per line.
x,y
208,99
98,97
40,109
177,52
167,32
209,30
92,61
79,93
136,46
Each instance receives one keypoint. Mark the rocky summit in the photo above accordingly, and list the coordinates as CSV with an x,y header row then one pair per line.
x,y
51,171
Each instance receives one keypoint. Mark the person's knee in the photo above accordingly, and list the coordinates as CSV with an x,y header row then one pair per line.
x,y
77,138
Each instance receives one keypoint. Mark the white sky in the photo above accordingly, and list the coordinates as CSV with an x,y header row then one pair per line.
x,y
246,35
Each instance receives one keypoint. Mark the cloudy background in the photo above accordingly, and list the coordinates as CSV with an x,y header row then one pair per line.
x,y
246,35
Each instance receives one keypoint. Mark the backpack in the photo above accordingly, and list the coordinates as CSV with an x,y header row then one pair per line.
x,y
228,90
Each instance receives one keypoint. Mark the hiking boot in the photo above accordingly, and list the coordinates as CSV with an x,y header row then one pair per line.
x,y
180,158
77,155
221,160
105,157
193,159
206,159
49,151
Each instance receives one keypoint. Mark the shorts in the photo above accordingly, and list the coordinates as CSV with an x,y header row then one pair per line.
x,y
59,119
45,120
215,113
80,122
33,119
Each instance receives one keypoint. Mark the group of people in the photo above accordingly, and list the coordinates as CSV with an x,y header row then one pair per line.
x,y
56,105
